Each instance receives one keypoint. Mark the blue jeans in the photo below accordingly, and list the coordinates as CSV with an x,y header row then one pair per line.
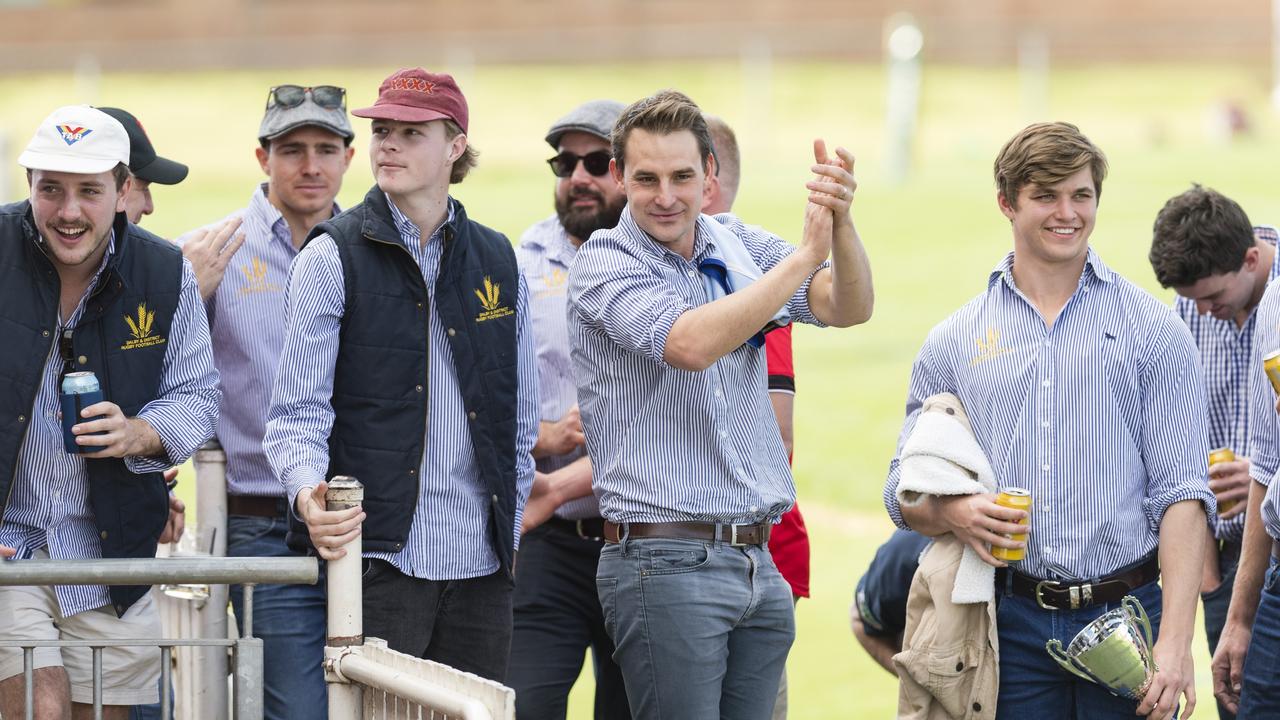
x,y
290,619
702,629
1032,684
1216,602
1260,689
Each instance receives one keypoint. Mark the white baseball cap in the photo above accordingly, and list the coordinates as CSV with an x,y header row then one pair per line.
x,y
77,139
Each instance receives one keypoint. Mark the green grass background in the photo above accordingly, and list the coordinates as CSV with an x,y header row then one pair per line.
x,y
931,239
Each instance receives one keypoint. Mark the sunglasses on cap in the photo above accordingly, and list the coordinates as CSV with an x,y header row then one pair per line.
x,y
596,163
329,97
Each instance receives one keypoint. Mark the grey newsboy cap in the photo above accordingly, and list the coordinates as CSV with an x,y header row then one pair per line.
x,y
279,119
595,117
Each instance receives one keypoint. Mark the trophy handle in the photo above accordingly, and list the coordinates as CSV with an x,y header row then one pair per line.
x,y
1140,614
1054,648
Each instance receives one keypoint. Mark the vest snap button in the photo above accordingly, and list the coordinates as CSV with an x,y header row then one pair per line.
x,y
495,498
451,332
418,388
472,414
413,472
22,418
103,534
82,359
45,333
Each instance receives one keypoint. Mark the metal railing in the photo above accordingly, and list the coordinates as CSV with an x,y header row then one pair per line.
x,y
365,678
247,650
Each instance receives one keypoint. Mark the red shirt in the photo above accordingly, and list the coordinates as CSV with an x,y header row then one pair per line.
x,y
789,542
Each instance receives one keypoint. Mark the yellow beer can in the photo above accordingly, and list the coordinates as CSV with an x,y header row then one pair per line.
x,y
1221,455
1271,364
1018,499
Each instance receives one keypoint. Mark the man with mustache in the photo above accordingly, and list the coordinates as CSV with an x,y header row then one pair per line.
x,y
557,611
83,289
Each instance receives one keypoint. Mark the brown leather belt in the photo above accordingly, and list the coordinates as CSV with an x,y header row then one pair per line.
x,y
586,528
757,534
256,506
1068,595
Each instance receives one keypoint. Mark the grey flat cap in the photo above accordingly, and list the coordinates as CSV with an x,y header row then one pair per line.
x,y
279,119
595,117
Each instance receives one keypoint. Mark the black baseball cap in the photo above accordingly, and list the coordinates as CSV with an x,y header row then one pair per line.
x,y
143,160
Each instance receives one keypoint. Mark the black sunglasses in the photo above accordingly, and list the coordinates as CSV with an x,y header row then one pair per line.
x,y
597,163
329,97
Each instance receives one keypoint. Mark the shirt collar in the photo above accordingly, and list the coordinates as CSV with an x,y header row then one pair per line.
x,y
1269,234
631,229
260,205
411,233
552,240
1094,269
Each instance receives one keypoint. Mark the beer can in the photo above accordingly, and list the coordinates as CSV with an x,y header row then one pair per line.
x,y
1221,455
1018,499
1271,364
79,391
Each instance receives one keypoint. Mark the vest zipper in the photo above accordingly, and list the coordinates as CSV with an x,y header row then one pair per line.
x,y
426,381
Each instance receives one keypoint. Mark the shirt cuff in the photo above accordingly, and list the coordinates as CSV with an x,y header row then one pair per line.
x,y
180,436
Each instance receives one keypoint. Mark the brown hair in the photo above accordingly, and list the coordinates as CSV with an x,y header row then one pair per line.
x,y
1046,154
1197,234
466,160
664,112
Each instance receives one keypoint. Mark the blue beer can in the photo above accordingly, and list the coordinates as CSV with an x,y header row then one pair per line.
x,y
79,391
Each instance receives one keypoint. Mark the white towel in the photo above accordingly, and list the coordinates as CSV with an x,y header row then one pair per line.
x,y
941,457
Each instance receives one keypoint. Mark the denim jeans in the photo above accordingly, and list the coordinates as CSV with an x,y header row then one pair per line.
x,y
1260,689
557,617
1032,684
702,629
290,619
1216,602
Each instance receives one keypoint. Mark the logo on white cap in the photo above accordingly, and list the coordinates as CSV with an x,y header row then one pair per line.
x,y
72,135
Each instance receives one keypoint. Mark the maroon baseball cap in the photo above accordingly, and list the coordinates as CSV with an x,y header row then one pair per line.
x,y
415,95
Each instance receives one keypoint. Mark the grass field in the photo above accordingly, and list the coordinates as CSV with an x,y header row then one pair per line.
x,y
931,239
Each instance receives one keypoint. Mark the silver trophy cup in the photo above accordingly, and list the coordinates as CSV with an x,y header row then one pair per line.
x,y
1113,651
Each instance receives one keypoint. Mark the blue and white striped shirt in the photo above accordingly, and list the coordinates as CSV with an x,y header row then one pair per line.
x,y
246,318
1225,353
1101,416
49,503
1264,424
670,445
449,536
545,254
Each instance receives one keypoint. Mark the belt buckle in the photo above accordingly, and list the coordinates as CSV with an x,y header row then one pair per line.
x,y
733,537
1053,585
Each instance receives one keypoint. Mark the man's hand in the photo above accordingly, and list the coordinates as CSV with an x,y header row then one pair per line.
x,y
1228,663
118,435
210,250
979,523
177,521
7,552
1229,482
329,530
560,437
834,185
1176,676
542,503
